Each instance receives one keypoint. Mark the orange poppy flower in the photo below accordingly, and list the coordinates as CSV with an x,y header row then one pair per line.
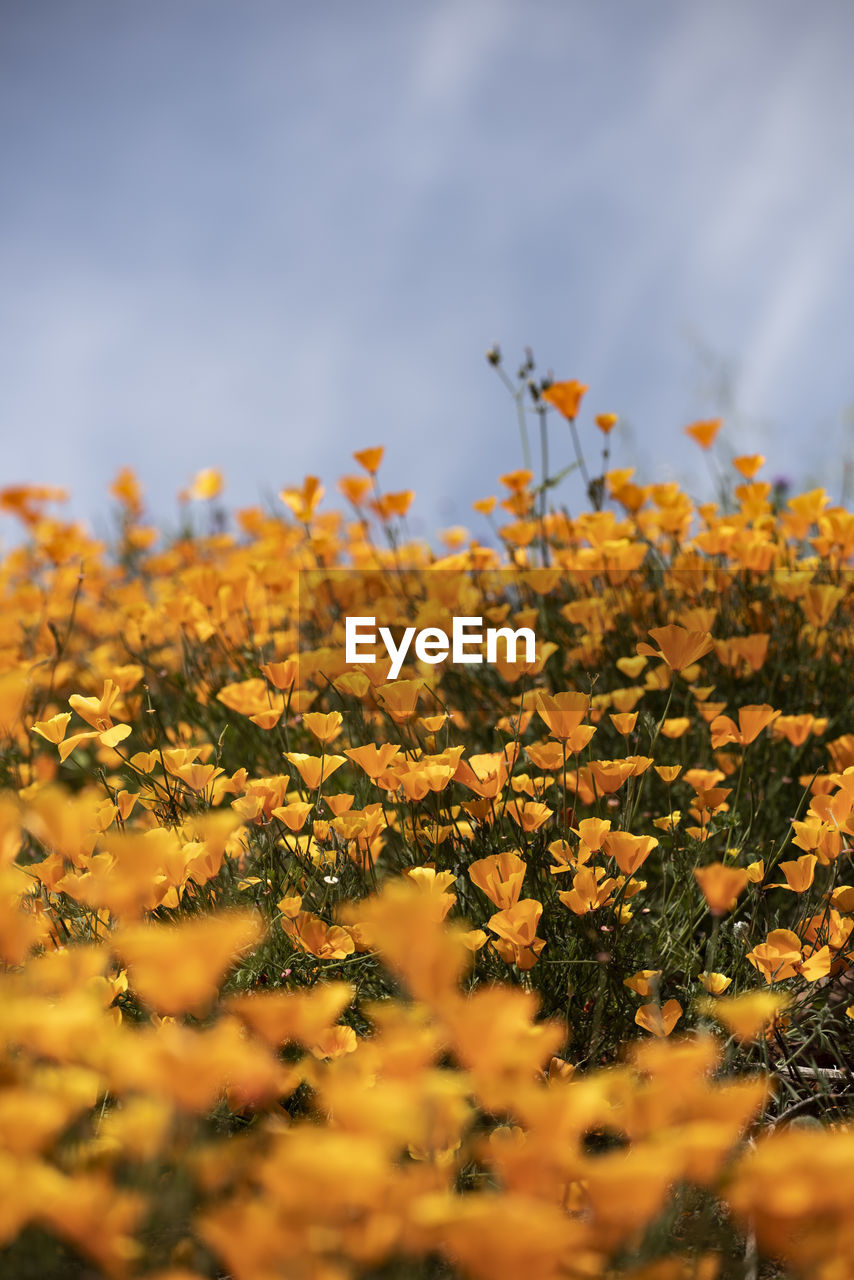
x,y
643,982
177,968
517,481
546,755
529,816
53,730
743,654
500,877
659,1020
293,815
108,738
609,775
310,933
400,698
516,928
629,851
370,459
747,464
304,502
675,727
819,602
592,831
393,504
799,874
247,697
326,726
127,489
590,890
565,396
355,488
281,674
678,646
721,885
751,721
314,769
606,422
704,432
206,485
485,775
778,956
375,760
747,1015
96,711
196,776
715,983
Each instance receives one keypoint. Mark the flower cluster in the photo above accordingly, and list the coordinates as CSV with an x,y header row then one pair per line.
x,y
540,966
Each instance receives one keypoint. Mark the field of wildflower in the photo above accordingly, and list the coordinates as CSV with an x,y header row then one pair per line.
x,y
534,968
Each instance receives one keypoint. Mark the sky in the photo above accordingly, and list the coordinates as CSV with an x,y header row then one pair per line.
x,y
258,235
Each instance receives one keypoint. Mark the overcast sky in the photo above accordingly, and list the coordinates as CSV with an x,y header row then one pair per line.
x,y
257,235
